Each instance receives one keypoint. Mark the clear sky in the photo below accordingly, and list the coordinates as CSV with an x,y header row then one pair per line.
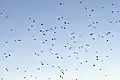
x,y
102,15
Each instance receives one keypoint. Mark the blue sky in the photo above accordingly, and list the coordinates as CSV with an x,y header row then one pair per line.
x,y
47,12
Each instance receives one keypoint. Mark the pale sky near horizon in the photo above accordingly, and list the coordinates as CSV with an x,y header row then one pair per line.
x,y
47,12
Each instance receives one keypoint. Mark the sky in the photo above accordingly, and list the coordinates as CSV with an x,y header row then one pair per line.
x,y
16,18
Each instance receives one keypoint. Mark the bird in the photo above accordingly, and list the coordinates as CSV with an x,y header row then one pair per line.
x,y
58,42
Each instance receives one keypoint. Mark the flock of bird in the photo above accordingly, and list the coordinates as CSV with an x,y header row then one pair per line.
x,y
73,40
